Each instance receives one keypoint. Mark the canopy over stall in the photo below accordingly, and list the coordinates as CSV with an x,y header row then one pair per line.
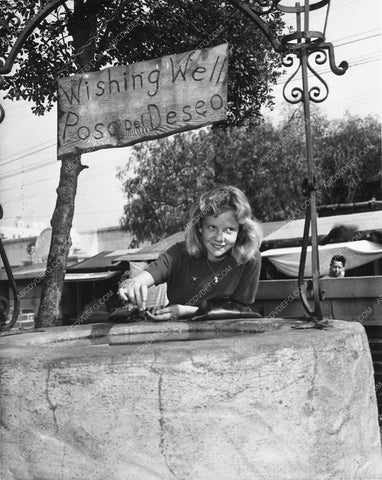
x,y
290,233
358,253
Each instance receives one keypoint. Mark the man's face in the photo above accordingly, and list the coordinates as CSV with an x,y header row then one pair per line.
x,y
337,270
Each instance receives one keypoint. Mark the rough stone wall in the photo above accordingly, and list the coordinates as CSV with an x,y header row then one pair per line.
x,y
281,405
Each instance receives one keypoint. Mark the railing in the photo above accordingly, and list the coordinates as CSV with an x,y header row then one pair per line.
x,y
349,298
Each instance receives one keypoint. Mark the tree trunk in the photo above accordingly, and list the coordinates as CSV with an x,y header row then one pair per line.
x,y
61,223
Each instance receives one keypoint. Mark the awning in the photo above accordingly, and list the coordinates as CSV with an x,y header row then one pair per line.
x,y
364,222
89,276
38,272
287,260
103,261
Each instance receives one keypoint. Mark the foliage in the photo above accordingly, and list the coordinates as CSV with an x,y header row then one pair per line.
x,y
350,155
169,176
265,161
90,35
257,161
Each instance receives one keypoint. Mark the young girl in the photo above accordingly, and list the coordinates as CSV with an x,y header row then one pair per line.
x,y
220,258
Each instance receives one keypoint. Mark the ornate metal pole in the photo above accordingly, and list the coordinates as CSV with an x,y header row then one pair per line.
x,y
309,189
302,44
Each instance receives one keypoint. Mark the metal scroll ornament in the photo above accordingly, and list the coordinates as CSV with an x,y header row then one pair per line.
x,y
316,57
318,92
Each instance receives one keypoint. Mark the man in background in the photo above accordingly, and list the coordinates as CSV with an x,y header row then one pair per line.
x,y
337,266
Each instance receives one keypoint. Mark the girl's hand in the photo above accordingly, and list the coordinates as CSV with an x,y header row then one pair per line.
x,y
135,293
172,313
135,289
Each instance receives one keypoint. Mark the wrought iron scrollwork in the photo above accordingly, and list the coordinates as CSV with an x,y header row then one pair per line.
x,y
316,57
342,67
318,93
295,94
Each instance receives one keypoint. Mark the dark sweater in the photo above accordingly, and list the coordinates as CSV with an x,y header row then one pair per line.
x,y
191,280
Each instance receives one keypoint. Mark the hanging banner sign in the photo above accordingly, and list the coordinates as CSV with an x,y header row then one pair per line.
x,y
121,106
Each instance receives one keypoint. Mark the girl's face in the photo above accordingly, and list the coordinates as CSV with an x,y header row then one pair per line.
x,y
219,234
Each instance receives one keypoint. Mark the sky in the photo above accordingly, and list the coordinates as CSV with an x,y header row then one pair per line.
x,y
29,170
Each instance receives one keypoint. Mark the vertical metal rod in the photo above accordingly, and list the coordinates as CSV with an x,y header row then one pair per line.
x,y
306,18
326,19
12,283
298,19
312,197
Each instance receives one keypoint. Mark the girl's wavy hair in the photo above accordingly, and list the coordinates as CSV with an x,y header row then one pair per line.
x,y
215,202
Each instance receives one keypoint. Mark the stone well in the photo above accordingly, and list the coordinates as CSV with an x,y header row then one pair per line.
x,y
227,400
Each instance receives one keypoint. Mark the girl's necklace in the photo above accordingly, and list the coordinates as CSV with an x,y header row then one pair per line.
x,y
215,274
